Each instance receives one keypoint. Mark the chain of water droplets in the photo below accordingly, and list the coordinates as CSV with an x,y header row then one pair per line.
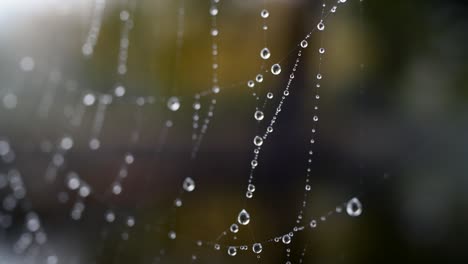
x,y
95,28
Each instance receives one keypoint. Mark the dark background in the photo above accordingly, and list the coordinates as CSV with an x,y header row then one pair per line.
x,y
392,132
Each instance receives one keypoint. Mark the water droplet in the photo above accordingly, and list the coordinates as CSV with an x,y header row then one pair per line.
x,y
119,91
313,224
304,44
315,118
257,248
173,103
243,218
258,115
232,251
213,11
265,53
250,84
172,235
251,188
321,50
259,78
234,228
286,239
110,216
264,13
321,26
89,99
270,95
189,184
276,69
258,141
354,207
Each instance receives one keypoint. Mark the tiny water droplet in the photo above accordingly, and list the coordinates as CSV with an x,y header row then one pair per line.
x,y
304,44
276,69
259,115
321,26
286,239
257,248
173,103
265,53
189,184
232,251
259,78
354,207
258,141
234,228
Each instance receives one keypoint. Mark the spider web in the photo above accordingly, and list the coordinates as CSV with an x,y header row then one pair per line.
x,y
113,195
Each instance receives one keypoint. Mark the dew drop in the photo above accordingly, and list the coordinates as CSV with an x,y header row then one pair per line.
x,y
265,53
264,13
259,78
259,115
189,184
172,235
270,95
354,207
258,141
257,248
250,84
313,224
213,11
276,69
234,228
232,251
243,218
251,188
173,103
321,26
304,44
286,239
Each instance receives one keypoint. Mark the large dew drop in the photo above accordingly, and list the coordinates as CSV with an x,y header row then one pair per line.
x,y
354,207
189,184
173,103
276,69
243,218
